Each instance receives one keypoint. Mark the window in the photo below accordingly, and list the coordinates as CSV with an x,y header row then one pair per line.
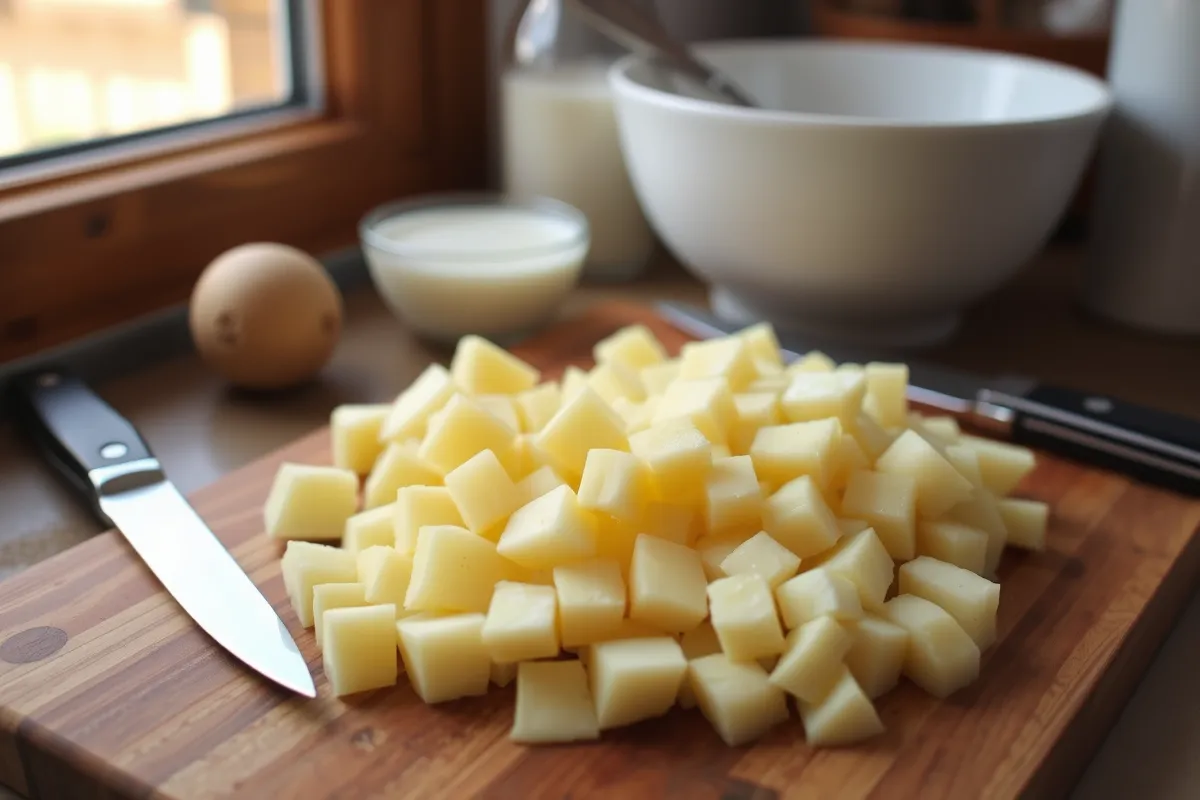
x,y
150,135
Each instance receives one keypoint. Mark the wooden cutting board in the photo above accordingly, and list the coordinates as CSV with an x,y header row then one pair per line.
x,y
107,689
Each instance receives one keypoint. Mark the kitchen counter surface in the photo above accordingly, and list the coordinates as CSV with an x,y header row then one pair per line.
x,y
201,430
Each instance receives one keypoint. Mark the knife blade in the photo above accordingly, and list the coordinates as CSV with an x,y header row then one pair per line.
x,y
1154,446
108,463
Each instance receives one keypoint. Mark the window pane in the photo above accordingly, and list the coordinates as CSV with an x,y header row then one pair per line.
x,y
80,71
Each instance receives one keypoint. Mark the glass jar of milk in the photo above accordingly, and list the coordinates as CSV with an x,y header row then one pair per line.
x,y
559,137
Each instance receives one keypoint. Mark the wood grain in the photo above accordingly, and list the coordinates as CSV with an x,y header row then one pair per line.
x,y
137,702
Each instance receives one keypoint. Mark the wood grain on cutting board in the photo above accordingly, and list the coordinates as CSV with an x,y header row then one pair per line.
x,y
108,689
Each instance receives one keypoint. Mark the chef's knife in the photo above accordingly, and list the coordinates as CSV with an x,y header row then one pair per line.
x,y
1154,446
104,457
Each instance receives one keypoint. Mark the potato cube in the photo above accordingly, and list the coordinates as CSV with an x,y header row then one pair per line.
x,y
573,380
846,716
762,556
537,406
549,531
743,615
773,385
736,698
527,457
817,593
657,377
706,402
681,524
713,550
798,518
500,406
752,411
1001,465
918,423
410,412
453,570
633,346
541,481
940,486
591,601
818,395
812,663
967,597
359,648
522,623
726,357
847,459
463,429
733,500
876,655
484,493
963,459
814,361
763,343
481,367
871,436
616,483
584,423
700,641
943,426
399,466
385,576
852,526
554,704
376,526
863,560
310,502
327,596
504,674
306,565
953,543
615,541
678,455
615,382
418,506
354,434
982,512
667,586
941,657
887,385
635,679
1025,521
444,656
783,453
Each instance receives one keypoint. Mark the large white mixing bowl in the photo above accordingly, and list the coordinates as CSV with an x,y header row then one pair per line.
x,y
887,187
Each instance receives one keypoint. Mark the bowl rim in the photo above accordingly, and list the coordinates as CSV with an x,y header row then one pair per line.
x,y
621,82
370,236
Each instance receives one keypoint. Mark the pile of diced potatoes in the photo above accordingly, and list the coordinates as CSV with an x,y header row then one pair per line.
x,y
717,530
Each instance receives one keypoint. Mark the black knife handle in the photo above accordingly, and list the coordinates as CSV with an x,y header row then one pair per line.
x,y
1154,446
77,429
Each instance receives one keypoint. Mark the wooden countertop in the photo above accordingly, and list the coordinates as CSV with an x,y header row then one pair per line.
x,y
201,430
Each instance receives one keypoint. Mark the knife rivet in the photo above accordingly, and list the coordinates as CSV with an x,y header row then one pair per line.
x,y
113,450
1098,405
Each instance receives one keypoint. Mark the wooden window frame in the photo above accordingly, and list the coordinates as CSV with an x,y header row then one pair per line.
x,y
404,112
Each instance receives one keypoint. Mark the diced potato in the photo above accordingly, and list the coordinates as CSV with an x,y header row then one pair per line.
x,y
818,395
814,361
848,459
537,483
484,494
585,422
812,662
736,698
982,512
752,410
615,541
782,453
463,429
411,410
354,434
970,599
310,502
773,385
573,381
681,524
616,483
369,528
521,623
444,656
657,377
887,385
1002,465
886,501
591,601
548,532
305,565
762,556
327,596
863,560
726,357
453,570
764,345
733,501
964,459
713,550
385,576
359,648
932,433
798,518
954,543
700,641
616,382
501,406
743,614
876,655
1026,522
846,716
481,367
504,674
943,426
706,402
678,455
537,406
873,438
554,704
667,586
817,593
527,457
418,506
940,486
634,347
399,466
941,657
635,679
852,526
